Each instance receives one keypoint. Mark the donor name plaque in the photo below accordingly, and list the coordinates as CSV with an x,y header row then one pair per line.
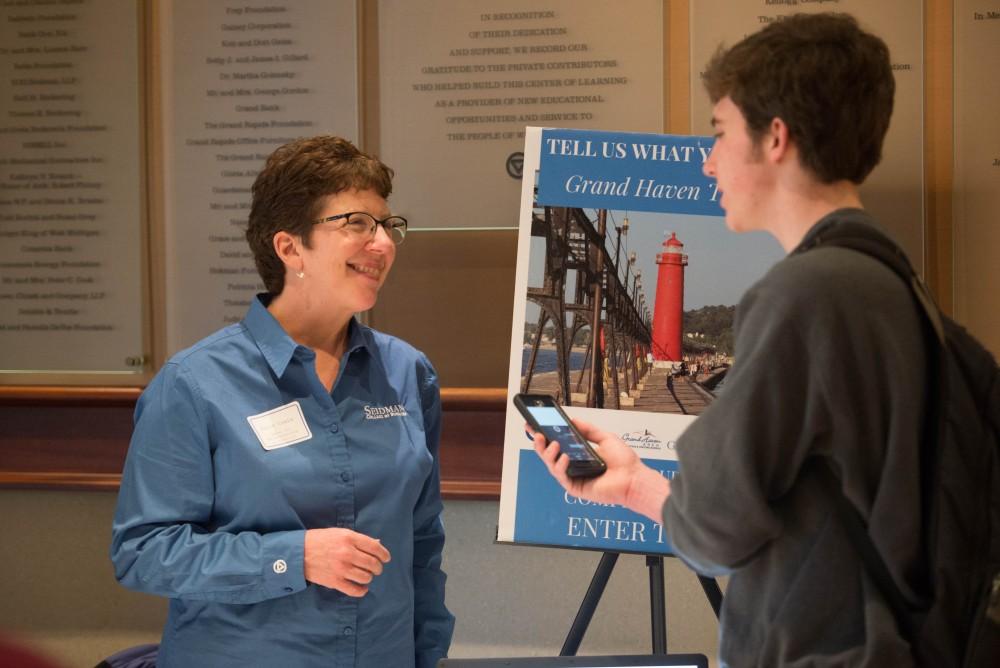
x,y
894,191
460,81
71,276
241,79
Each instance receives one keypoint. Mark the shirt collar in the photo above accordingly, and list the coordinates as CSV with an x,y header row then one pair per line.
x,y
278,347
358,338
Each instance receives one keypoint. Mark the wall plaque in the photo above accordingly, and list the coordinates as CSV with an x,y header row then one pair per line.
x,y
461,79
240,79
977,168
894,191
71,276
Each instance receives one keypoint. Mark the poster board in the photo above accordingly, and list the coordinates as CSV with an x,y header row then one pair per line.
x,y
656,182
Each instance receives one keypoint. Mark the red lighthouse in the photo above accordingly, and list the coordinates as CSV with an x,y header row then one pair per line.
x,y
668,313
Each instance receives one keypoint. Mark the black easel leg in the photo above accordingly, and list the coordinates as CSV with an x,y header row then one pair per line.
x,y
657,604
589,604
713,592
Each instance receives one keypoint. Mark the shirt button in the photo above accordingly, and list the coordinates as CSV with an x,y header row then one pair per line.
x,y
334,429
348,631
345,476
279,566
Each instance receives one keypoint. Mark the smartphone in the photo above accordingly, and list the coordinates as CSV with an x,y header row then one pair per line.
x,y
545,416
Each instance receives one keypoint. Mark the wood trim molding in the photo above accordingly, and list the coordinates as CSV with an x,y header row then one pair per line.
x,y
452,398
462,490
60,480
67,395
939,151
470,490
75,438
473,398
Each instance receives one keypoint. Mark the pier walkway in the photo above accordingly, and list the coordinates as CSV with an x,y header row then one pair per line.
x,y
658,392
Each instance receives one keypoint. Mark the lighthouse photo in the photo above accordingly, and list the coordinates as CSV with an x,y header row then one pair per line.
x,y
668,313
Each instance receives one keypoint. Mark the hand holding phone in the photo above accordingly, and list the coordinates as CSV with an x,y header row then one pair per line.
x,y
546,416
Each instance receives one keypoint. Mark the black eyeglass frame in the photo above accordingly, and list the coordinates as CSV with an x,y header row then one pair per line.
x,y
374,227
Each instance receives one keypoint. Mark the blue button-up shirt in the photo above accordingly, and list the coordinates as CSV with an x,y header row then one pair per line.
x,y
214,502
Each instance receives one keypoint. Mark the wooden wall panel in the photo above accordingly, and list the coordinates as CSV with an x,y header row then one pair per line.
x,y
75,438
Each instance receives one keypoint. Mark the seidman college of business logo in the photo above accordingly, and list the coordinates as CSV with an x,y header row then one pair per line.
x,y
383,412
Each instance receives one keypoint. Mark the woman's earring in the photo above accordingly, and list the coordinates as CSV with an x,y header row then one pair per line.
x,y
301,274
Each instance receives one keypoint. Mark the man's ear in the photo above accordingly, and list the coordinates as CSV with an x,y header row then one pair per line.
x,y
778,140
288,249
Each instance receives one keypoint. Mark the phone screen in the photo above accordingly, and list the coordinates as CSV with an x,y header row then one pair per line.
x,y
555,428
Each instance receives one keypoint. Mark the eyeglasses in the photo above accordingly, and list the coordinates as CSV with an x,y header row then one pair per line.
x,y
361,225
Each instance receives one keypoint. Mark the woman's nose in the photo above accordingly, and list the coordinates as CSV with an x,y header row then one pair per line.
x,y
381,237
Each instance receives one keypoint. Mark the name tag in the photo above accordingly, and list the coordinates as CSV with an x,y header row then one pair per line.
x,y
280,427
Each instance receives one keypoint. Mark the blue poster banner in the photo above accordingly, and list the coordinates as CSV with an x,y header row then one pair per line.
x,y
547,515
672,275
626,171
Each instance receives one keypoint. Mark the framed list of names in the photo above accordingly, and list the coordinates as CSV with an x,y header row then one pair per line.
x,y
894,191
71,214
240,79
977,168
460,80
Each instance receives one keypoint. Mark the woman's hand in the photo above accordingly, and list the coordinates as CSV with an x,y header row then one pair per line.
x,y
343,559
627,482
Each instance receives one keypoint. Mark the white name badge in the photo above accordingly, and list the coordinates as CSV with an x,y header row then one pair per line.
x,y
280,427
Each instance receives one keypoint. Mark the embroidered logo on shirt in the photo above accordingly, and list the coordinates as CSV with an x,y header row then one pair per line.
x,y
383,412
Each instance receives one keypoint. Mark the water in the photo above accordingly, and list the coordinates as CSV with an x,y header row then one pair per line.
x,y
546,360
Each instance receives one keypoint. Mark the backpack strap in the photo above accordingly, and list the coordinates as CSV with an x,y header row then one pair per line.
x,y
857,531
863,237
866,238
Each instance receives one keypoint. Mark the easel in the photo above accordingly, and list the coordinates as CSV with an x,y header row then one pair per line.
x,y
657,602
